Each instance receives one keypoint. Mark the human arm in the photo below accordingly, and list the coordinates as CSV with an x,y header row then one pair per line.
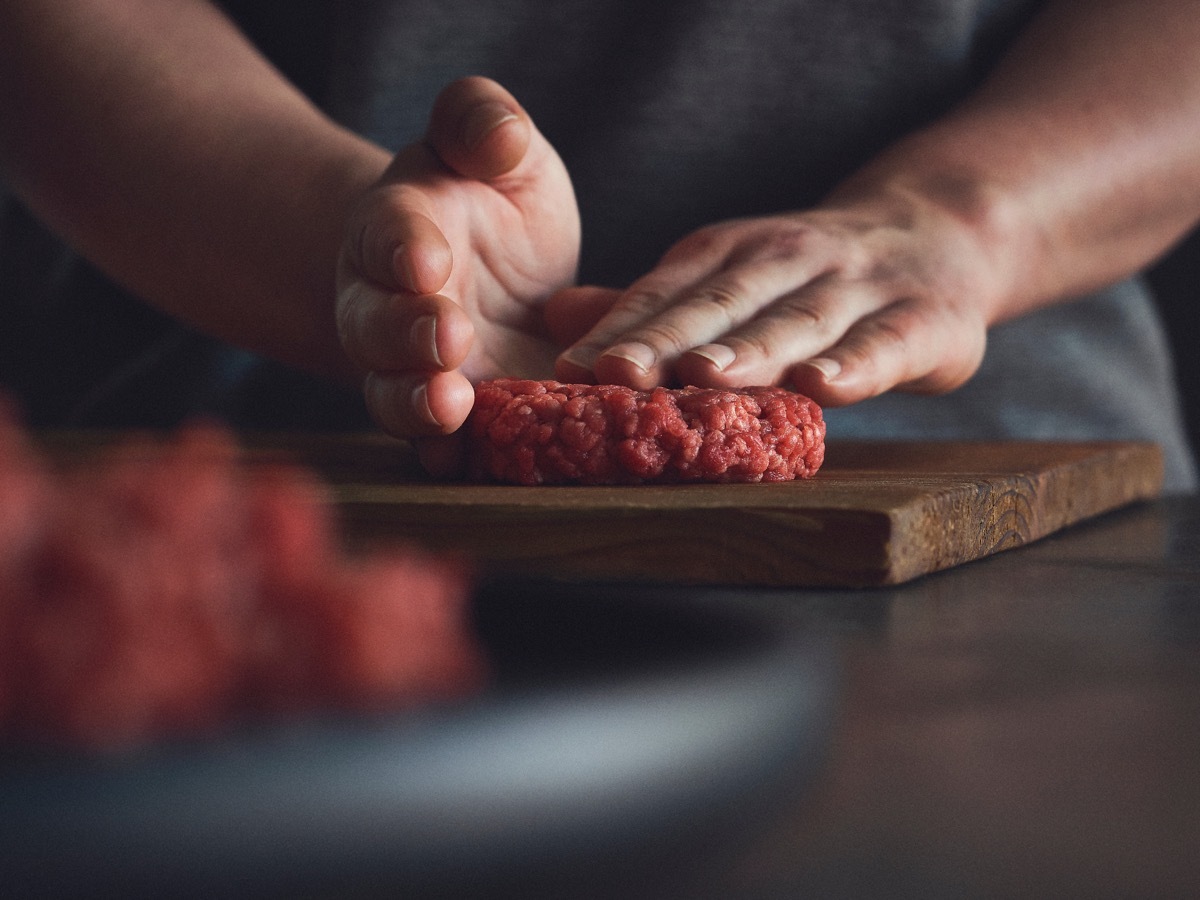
x,y
158,142
1076,164
155,139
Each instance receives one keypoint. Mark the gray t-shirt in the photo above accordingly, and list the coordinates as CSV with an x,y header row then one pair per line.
x,y
677,114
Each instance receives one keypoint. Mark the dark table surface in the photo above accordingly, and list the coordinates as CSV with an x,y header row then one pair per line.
x,y
1027,725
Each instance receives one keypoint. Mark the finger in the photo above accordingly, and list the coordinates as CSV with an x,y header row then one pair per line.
x,y
413,405
667,326
478,129
904,346
572,312
643,299
392,241
795,327
384,331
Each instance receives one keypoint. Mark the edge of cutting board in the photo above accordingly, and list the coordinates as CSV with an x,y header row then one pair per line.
x,y
878,513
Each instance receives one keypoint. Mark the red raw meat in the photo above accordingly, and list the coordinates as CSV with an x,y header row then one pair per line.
x,y
544,432
170,588
25,491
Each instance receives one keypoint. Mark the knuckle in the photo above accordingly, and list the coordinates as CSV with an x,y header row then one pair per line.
x,y
356,243
799,312
664,336
346,312
876,345
726,298
891,330
910,346
373,330
778,241
857,261
674,326
355,316
792,240
702,242
644,301
376,225
375,245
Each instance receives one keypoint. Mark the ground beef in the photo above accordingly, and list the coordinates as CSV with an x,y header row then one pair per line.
x,y
171,588
543,432
25,492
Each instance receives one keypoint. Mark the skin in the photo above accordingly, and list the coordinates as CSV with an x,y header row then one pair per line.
x,y
448,260
184,165
1075,166
156,140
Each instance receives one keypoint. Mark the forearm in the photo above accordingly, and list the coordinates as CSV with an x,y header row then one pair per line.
x,y
161,145
1078,162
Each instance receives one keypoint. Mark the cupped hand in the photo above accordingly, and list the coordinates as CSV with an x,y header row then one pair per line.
x,y
447,261
843,302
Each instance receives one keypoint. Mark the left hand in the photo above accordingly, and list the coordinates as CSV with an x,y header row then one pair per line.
x,y
447,260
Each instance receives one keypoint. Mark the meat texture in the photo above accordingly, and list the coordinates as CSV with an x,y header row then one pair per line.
x,y
544,432
171,588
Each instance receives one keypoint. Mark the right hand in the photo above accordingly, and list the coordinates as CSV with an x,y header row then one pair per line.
x,y
881,289
448,259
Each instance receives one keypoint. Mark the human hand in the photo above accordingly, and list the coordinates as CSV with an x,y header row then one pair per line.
x,y
447,260
873,291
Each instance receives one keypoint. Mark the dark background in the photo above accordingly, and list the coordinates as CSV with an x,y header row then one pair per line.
x,y
1176,281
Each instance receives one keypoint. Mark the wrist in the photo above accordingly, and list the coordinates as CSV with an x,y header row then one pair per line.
x,y
988,233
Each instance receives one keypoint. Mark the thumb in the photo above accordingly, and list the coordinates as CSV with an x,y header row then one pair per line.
x,y
478,129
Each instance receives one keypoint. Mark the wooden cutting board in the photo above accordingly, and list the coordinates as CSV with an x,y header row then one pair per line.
x,y
877,513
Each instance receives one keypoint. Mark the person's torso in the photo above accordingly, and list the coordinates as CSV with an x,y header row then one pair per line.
x,y
675,114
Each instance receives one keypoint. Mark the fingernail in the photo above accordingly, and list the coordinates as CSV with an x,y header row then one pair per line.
x,y
637,353
402,268
424,339
829,368
717,354
420,402
584,357
483,120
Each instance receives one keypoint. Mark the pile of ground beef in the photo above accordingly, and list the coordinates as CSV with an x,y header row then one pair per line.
x,y
543,432
170,588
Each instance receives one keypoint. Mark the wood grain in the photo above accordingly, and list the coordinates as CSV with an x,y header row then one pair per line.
x,y
877,513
